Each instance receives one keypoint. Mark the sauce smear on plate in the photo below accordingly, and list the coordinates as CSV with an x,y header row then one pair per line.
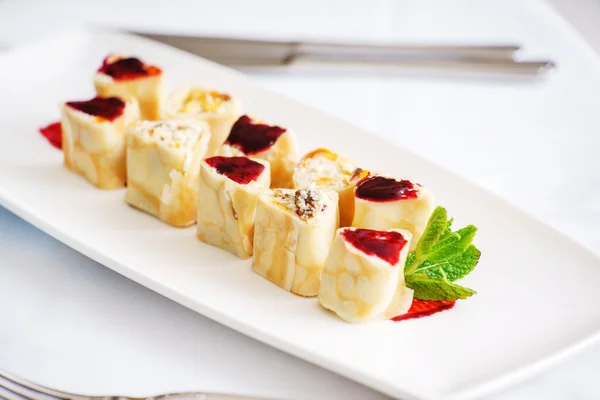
x,y
53,133
424,308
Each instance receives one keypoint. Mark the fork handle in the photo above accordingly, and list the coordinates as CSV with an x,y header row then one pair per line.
x,y
14,388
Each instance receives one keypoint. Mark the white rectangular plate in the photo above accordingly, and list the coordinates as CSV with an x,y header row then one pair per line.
x,y
534,284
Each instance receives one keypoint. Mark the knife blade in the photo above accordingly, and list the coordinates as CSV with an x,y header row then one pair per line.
x,y
313,56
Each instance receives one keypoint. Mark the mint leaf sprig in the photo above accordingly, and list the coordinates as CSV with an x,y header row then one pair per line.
x,y
441,257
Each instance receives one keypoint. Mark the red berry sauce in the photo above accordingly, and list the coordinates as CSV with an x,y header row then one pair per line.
x,y
127,68
383,244
424,308
380,188
109,108
252,138
239,169
53,133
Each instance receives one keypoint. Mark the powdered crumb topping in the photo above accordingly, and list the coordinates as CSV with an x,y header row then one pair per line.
x,y
306,203
174,134
326,169
202,101
357,174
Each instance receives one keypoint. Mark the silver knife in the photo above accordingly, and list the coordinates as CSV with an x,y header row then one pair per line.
x,y
317,56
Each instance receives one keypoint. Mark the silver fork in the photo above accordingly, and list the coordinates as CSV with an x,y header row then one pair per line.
x,y
15,388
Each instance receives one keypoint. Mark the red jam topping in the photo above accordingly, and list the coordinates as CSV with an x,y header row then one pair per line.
x,y
380,188
252,138
127,68
109,108
424,308
239,169
53,133
383,244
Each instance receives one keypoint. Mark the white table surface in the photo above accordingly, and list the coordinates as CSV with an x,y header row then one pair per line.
x,y
69,322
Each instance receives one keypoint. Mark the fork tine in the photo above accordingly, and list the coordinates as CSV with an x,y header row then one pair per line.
x,y
8,395
54,394
21,390
33,391
14,388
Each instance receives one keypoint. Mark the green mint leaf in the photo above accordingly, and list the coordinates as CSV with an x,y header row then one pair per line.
x,y
448,230
427,288
462,266
436,226
454,268
454,247
441,257
446,240
410,260
468,231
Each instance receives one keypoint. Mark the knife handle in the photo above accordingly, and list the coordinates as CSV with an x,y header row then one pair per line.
x,y
503,67
391,51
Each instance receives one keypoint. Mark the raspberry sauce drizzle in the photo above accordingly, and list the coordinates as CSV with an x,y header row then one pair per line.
x,y
239,169
425,308
109,108
53,133
127,68
252,138
380,188
383,244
